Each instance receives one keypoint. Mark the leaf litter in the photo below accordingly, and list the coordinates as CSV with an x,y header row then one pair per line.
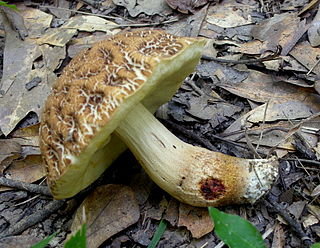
x,y
269,104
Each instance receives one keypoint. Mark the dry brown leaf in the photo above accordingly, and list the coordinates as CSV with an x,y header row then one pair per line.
x,y
262,87
9,151
78,44
253,47
214,112
189,26
315,210
28,170
62,35
307,55
186,6
61,11
35,20
278,237
309,6
196,220
296,208
109,209
285,63
172,212
91,23
149,7
283,29
273,134
21,241
309,220
16,20
316,191
313,33
18,96
56,37
230,15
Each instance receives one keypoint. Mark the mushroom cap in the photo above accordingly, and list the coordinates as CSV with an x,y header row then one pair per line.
x,y
96,91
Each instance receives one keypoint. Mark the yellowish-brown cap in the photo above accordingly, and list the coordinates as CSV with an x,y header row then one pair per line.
x,y
96,90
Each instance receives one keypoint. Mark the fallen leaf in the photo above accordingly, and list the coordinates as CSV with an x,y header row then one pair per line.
x,y
297,208
21,241
309,220
16,96
307,56
78,44
91,23
278,237
315,210
273,134
149,7
36,21
61,9
28,170
186,6
282,29
214,112
230,15
16,20
189,26
172,212
196,220
109,209
261,87
56,37
316,191
9,151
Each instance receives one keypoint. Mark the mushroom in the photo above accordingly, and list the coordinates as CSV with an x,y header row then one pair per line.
x,y
103,102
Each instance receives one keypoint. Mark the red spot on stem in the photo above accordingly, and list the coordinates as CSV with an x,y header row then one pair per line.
x,y
212,189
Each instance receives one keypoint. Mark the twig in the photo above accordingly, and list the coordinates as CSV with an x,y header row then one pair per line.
x,y
33,219
250,145
92,3
115,18
196,137
33,188
293,130
273,56
26,201
79,12
263,122
292,222
312,68
220,245
302,160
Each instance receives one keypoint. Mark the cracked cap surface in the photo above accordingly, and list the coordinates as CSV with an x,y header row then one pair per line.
x,y
97,89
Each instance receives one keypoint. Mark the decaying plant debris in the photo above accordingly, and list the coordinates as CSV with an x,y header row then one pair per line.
x,y
254,94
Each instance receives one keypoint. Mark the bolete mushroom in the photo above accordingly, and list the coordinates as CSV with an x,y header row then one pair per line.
x,y
107,94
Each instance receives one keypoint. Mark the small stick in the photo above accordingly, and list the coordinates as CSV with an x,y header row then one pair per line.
x,y
302,160
33,219
93,3
115,18
263,122
273,56
292,222
33,188
196,137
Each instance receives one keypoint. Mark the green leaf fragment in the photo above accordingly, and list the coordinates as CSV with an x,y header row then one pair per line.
x,y
235,231
315,245
79,239
44,242
11,6
158,234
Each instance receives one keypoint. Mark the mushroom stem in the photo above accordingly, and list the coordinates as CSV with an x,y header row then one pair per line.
x,y
191,174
